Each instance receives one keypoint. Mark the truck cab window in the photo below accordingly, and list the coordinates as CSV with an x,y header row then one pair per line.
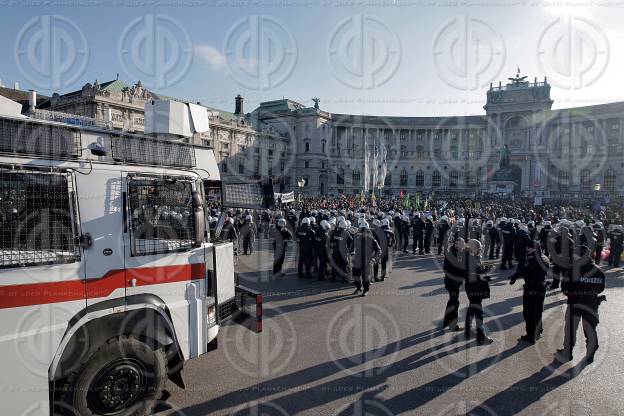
x,y
161,215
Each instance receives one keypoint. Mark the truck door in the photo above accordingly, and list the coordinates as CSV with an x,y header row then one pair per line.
x,y
101,206
162,256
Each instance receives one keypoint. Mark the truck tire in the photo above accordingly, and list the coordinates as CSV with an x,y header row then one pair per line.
x,y
123,377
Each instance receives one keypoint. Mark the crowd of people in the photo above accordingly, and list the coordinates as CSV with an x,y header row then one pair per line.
x,y
548,246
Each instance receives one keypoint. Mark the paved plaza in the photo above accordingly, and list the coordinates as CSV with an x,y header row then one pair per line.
x,y
325,352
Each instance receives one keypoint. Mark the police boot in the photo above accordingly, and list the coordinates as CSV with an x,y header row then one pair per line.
x,y
563,355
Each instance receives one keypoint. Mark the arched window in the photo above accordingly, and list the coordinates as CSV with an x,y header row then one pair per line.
x,y
356,177
388,180
610,180
403,178
340,177
420,179
436,179
453,179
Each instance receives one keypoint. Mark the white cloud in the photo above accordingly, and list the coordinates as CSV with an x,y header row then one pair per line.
x,y
210,55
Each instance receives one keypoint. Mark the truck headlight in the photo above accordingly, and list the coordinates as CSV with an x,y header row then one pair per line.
x,y
211,316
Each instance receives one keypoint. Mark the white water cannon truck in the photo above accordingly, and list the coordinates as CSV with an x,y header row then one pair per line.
x,y
108,280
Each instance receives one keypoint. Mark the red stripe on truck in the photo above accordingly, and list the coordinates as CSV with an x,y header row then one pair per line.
x,y
42,293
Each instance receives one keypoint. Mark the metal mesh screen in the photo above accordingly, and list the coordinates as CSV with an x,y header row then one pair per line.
x,y
21,137
152,152
161,215
37,216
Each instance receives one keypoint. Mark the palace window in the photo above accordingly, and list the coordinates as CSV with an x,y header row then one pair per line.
x,y
420,179
340,176
355,177
307,147
436,179
403,178
453,179
241,168
306,164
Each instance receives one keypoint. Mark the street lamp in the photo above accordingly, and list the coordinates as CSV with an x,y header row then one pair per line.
x,y
597,187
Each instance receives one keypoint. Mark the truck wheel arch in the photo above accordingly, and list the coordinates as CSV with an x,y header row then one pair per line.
x,y
144,316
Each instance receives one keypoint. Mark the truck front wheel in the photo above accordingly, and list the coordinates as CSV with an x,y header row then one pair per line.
x,y
123,377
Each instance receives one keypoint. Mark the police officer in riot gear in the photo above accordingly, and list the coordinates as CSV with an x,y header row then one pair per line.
x,y
600,240
418,227
366,252
443,229
477,289
534,291
521,242
615,240
428,234
543,237
307,239
583,285
405,231
229,233
322,249
454,276
474,232
560,247
341,245
509,235
493,236
281,235
248,232
390,242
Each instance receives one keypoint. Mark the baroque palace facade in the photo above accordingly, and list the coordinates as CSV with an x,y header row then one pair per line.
x,y
550,153
568,153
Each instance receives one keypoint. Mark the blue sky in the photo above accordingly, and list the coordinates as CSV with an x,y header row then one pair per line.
x,y
407,58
